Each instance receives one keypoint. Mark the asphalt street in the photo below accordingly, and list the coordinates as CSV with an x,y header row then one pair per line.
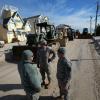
x,y
85,75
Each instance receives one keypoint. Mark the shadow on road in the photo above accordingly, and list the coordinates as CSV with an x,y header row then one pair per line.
x,y
7,87
46,98
91,42
14,97
23,97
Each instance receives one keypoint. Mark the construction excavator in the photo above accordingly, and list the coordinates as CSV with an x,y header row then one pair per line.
x,y
47,32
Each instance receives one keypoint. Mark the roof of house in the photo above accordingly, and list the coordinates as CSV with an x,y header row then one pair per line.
x,y
25,22
14,14
32,17
63,25
25,19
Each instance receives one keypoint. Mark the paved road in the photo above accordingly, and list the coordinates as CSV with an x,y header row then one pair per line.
x,y
83,86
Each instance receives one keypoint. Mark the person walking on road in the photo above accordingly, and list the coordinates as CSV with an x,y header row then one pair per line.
x,y
43,60
63,74
30,75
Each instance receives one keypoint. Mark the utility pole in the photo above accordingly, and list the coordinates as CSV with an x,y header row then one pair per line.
x,y
97,8
90,24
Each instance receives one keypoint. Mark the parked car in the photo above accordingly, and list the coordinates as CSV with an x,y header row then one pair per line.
x,y
2,43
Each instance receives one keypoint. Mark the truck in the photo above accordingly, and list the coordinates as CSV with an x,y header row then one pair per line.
x,y
85,34
85,31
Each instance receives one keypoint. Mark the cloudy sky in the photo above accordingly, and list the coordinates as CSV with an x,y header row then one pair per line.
x,y
71,12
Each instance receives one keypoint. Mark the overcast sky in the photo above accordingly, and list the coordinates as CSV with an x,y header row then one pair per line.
x,y
71,12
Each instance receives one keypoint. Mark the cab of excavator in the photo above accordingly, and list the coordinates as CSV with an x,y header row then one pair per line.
x,y
48,30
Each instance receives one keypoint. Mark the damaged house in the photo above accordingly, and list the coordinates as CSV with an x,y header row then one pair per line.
x,y
12,25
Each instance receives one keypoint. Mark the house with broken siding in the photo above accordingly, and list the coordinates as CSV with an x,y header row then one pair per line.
x,y
12,25
34,20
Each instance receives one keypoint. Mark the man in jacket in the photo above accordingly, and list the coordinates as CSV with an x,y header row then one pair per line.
x,y
44,59
63,74
30,75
